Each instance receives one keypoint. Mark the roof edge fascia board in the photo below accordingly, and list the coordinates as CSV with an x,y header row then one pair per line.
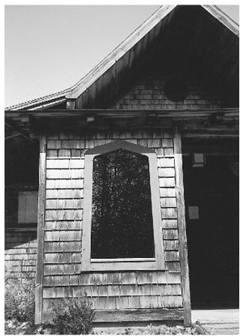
x,y
120,51
48,104
223,18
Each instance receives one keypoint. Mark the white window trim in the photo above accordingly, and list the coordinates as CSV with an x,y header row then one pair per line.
x,y
89,264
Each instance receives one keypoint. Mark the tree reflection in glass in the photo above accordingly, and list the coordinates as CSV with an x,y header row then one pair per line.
x,y
122,225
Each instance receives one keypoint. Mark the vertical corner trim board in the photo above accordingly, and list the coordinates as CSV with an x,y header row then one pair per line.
x,y
182,228
40,233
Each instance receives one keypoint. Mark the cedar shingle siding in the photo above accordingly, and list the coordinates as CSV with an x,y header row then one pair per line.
x,y
63,227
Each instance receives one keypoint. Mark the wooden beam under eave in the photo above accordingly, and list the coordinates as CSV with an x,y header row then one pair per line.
x,y
232,112
199,130
204,122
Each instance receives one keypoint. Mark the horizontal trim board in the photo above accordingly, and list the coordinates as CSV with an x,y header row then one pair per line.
x,y
135,315
122,260
122,266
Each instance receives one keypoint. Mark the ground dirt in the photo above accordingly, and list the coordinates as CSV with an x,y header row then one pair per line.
x,y
13,327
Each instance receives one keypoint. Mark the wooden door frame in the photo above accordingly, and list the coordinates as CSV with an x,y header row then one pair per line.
x,y
183,250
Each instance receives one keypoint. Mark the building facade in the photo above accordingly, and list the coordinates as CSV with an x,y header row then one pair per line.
x,y
165,102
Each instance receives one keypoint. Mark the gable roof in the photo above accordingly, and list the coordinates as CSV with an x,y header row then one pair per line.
x,y
110,74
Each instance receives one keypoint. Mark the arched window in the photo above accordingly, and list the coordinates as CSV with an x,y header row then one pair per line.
x,y
121,219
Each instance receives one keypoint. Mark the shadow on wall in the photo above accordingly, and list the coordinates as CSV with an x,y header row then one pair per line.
x,y
21,252
21,186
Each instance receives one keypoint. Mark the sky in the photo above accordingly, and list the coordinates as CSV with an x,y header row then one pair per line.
x,y
49,48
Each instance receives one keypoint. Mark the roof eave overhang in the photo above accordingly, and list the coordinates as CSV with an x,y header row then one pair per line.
x,y
202,123
38,104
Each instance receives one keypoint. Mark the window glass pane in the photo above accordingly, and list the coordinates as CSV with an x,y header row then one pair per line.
x,y
27,207
122,225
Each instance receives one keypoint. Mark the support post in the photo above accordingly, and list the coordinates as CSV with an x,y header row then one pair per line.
x,y
40,231
182,229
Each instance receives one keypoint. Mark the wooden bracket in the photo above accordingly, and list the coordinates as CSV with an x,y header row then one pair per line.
x,y
71,104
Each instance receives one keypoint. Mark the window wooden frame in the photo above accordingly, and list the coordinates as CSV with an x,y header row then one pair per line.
x,y
156,263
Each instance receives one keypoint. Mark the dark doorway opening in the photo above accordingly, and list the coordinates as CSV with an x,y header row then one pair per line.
x,y
212,220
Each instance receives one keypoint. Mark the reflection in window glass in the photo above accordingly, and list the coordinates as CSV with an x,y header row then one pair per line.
x,y
122,225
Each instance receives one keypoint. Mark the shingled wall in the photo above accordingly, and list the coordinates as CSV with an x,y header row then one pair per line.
x,y
20,240
21,253
148,94
63,228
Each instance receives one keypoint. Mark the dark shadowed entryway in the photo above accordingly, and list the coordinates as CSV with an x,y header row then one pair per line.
x,y
211,197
